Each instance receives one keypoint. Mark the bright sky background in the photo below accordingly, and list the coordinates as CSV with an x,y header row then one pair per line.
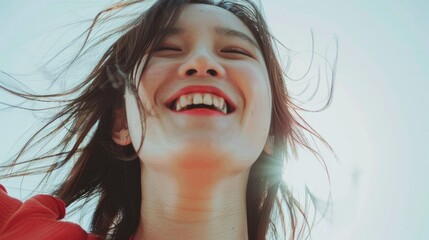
x,y
376,122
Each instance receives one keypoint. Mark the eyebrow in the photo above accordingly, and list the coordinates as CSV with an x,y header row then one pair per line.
x,y
224,31
234,33
173,31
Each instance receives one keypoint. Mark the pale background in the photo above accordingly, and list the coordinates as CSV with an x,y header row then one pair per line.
x,y
376,122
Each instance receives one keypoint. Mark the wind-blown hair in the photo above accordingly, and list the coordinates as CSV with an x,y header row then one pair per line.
x,y
98,166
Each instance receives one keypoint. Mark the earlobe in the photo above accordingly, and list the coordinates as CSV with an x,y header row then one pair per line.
x,y
122,137
120,133
269,145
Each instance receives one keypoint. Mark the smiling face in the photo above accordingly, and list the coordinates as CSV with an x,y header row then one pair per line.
x,y
209,51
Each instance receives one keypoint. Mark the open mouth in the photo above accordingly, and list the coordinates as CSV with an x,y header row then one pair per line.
x,y
207,101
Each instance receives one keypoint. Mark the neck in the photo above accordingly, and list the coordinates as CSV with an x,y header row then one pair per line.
x,y
193,206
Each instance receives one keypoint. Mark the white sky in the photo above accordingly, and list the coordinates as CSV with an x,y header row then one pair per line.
x,y
376,123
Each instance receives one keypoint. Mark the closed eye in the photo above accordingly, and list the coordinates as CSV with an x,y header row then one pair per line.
x,y
166,48
236,51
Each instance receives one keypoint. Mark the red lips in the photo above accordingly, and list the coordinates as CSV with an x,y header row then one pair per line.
x,y
200,89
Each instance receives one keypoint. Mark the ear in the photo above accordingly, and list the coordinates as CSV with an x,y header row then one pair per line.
x,y
269,145
120,133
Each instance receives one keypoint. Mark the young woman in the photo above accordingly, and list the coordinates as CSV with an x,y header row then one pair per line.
x,y
182,130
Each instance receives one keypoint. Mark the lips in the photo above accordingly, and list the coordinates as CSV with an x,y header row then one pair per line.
x,y
200,89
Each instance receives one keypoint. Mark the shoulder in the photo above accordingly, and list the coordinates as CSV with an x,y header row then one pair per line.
x,y
36,218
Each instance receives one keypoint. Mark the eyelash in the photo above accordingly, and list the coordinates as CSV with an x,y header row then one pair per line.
x,y
166,48
236,50
233,50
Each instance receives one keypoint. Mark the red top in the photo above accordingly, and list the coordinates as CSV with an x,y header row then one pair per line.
x,y
37,218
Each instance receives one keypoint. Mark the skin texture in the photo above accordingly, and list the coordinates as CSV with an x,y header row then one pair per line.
x,y
195,168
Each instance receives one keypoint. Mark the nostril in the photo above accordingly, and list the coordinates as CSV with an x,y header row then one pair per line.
x,y
212,72
191,72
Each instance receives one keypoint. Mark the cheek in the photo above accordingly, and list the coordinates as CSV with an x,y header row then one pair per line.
x,y
255,86
157,70
151,80
259,108
254,83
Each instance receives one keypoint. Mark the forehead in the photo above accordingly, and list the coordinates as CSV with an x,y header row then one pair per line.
x,y
208,17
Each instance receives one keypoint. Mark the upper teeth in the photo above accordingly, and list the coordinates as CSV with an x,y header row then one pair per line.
x,y
201,98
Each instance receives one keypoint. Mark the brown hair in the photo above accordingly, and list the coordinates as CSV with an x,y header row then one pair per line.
x,y
98,169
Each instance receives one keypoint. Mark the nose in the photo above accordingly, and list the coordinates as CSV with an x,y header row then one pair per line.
x,y
201,63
